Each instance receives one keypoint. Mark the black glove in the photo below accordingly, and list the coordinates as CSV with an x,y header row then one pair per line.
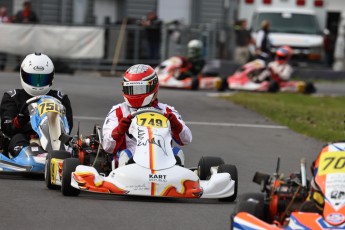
x,y
23,116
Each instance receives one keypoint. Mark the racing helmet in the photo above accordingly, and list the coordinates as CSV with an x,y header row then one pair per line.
x,y
140,86
37,74
283,54
194,48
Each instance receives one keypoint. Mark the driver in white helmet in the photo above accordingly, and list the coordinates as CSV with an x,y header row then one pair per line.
x,y
140,88
194,63
36,77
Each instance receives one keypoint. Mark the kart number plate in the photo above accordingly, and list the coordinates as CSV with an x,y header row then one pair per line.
x,y
46,107
153,120
331,162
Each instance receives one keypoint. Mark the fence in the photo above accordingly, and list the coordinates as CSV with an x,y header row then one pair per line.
x,y
133,48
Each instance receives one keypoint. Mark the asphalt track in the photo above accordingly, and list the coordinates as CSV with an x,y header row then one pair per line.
x,y
220,128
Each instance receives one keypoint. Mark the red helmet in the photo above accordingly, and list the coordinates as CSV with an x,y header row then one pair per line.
x,y
140,86
283,54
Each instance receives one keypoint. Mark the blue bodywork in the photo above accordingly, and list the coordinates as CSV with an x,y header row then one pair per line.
x,y
25,161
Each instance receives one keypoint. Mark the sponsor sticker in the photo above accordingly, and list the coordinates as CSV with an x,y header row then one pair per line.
x,y
335,218
157,178
34,148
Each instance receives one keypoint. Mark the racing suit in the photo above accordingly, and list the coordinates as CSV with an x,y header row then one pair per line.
x,y
12,102
128,142
193,67
275,71
280,72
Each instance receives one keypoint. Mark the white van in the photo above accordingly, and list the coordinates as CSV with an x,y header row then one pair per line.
x,y
295,23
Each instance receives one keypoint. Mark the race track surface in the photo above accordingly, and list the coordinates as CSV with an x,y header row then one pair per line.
x,y
239,136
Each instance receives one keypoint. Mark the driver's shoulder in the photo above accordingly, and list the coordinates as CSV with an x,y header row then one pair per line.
x,y
166,107
57,94
14,92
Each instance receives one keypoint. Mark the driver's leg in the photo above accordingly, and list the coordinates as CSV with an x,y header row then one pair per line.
x,y
124,157
179,153
17,143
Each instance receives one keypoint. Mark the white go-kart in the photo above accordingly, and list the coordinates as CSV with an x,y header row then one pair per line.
x,y
154,170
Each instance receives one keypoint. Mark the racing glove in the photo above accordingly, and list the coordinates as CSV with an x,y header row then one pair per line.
x,y
22,118
176,126
119,132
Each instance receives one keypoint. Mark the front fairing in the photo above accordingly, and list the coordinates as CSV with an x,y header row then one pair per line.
x,y
330,178
48,120
153,135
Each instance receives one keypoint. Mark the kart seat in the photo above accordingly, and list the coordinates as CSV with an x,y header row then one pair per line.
x,y
178,161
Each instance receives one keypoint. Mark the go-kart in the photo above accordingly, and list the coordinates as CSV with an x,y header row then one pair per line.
x,y
154,170
169,71
246,78
87,150
48,120
329,177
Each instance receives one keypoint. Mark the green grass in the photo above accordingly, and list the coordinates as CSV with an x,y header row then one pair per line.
x,y
318,117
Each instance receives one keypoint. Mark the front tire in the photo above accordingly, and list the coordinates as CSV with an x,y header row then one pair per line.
x,y
69,166
273,87
252,203
47,169
232,170
223,85
205,164
195,83
309,88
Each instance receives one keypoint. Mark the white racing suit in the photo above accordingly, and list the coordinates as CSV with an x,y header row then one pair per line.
x,y
129,144
276,71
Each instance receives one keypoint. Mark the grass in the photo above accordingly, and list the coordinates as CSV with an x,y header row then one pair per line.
x,y
318,117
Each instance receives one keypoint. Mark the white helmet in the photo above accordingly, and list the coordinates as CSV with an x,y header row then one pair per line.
x,y
37,74
194,48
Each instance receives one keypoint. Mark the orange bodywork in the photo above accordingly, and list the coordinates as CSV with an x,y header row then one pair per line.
x,y
86,182
191,189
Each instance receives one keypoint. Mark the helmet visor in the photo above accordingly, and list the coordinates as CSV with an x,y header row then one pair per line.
x,y
38,80
139,87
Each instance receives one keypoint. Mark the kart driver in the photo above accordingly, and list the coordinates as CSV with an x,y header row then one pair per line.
x,y
36,76
278,70
194,63
140,88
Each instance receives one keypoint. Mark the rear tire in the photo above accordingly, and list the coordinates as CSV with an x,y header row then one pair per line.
x,y
252,203
232,170
47,173
69,166
205,164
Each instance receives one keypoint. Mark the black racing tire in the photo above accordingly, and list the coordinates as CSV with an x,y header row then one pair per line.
x,y
195,83
223,85
59,154
252,203
273,87
205,164
232,170
309,88
69,166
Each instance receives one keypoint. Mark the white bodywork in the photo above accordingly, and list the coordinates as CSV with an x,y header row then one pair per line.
x,y
167,71
155,172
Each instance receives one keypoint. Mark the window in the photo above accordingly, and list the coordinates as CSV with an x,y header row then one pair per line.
x,y
289,23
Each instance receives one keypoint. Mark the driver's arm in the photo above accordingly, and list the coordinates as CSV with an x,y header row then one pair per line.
x,y
69,113
8,111
111,145
184,135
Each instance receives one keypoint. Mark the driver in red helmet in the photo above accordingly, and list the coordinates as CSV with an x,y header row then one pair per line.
x,y
280,68
140,88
